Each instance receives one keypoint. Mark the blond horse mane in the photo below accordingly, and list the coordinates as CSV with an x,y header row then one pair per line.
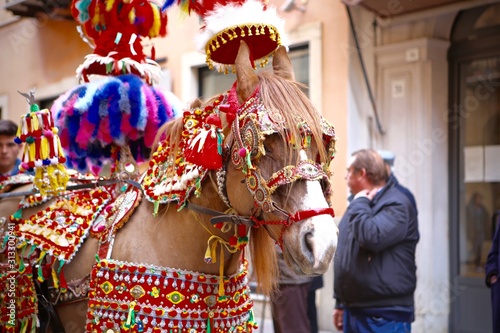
x,y
285,98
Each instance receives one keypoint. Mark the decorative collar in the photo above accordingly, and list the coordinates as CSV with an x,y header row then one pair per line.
x,y
147,298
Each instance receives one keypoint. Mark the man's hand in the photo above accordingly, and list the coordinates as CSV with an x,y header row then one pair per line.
x,y
493,279
338,319
373,192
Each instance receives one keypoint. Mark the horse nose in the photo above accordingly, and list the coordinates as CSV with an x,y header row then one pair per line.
x,y
319,248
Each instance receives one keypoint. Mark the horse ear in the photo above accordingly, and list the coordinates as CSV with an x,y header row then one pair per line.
x,y
282,65
246,77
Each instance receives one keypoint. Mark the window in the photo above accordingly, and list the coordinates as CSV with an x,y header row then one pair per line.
x,y
480,198
212,82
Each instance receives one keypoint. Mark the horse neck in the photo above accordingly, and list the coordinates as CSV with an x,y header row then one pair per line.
x,y
177,239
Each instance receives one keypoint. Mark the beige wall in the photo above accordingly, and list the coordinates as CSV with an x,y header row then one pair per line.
x,y
36,54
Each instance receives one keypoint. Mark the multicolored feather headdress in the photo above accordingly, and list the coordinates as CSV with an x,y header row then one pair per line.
x,y
227,22
117,28
101,120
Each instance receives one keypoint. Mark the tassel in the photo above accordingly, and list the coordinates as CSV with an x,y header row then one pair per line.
x,y
131,316
221,272
40,276
209,324
205,149
156,207
24,326
55,280
153,53
22,266
210,253
62,279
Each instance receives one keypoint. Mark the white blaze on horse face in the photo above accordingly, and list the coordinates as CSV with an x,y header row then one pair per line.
x,y
325,228
311,243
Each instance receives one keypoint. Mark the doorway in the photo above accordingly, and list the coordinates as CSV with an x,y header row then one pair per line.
x,y
474,128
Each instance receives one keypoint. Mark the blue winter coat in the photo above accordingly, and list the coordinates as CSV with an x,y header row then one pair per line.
x,y
374,265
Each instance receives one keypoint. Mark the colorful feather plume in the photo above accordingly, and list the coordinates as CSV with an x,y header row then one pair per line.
x,y
97,117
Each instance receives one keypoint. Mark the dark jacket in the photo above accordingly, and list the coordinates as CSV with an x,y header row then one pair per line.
x,y
374,265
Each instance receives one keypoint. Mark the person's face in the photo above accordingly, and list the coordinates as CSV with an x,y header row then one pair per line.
x,y
354,177
9,151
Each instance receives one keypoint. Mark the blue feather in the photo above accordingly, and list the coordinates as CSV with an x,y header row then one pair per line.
x,y
167,4
114,112
135,97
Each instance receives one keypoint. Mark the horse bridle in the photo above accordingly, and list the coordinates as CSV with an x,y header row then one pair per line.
x,y
242,152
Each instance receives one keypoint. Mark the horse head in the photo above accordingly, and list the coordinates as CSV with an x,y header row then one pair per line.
x,y
280,150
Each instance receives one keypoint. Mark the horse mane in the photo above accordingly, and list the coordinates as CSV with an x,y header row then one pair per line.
x,y
284,98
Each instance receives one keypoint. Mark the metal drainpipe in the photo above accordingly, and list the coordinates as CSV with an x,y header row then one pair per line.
x,y
365,75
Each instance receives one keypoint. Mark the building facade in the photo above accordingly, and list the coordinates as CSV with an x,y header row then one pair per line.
x,y
425,87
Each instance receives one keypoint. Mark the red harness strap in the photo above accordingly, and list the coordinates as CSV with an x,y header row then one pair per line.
x,y
298,216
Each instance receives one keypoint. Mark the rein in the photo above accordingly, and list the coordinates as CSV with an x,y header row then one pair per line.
x,y
75,187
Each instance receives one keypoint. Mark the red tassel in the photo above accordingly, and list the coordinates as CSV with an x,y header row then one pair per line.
x,y
63,285
153,53
205,149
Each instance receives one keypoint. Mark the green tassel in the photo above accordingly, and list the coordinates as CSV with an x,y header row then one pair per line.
x,y
156,207
198,187
18,214
33,248
24,325
220,138
209,327
97,259
5,240
22,267
61,264
131,316
248,160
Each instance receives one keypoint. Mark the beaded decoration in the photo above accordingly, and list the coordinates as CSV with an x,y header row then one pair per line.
x,y
19,309
174,178
60,229
126,297
6,183
113,217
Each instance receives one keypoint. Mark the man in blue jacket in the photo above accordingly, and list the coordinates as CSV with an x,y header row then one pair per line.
x,y
374,266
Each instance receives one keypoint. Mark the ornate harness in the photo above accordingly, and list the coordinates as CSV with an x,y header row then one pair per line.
x,y
135,297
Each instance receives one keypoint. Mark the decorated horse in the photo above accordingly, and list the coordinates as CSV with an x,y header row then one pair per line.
x,y
167,253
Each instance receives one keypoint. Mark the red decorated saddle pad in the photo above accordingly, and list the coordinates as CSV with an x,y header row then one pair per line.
x,y
127,297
